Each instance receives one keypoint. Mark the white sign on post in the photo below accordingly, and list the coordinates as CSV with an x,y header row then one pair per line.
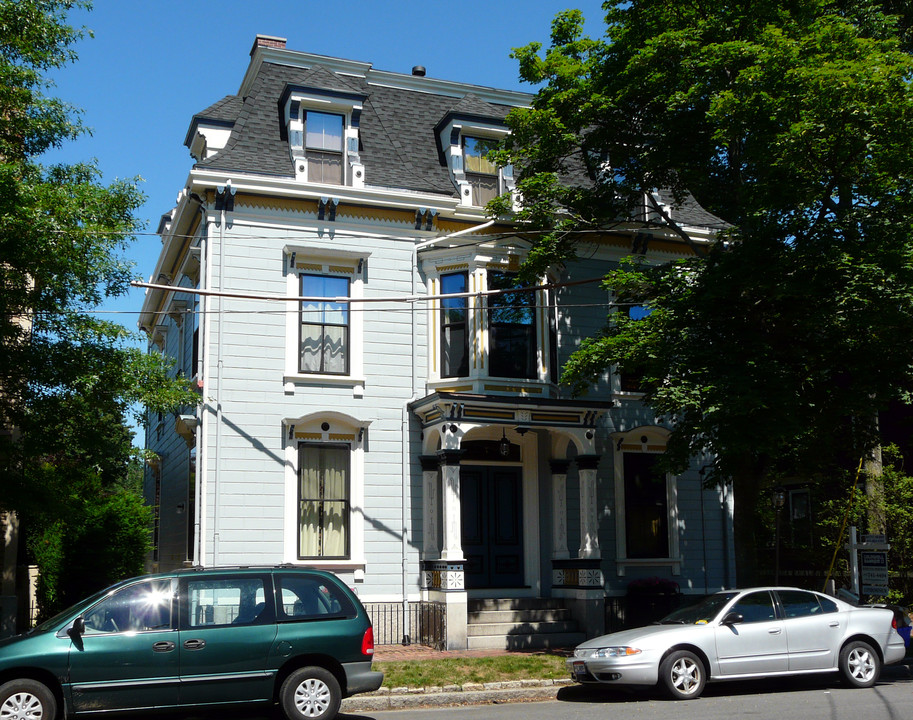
x,y
874,571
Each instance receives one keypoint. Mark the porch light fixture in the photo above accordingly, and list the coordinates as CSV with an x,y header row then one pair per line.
x,y
503,445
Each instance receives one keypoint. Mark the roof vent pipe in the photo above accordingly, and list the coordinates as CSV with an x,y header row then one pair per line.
x,y
418,71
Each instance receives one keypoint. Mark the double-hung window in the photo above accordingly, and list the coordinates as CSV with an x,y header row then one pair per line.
x,y
323,500
324,339
511,329
454,326
481,174
646,507
632,381
323,142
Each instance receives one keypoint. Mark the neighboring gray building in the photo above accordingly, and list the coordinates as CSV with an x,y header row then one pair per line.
x,y
371,401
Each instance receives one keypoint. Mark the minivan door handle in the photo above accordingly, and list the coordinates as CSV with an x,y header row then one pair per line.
x,y
194,644
165,646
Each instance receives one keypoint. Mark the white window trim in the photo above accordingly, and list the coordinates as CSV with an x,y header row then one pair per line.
x,y
297,103
344,429
477,269
630,442
451,138
327,262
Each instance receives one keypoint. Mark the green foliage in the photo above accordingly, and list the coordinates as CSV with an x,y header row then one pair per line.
x,y
774,349
103,538
69,380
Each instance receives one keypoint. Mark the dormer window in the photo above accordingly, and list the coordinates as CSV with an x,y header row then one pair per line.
x,y
465,135
323,135
323,147
481,174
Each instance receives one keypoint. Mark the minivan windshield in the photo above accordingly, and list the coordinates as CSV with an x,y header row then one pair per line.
x,y
700,613
59,617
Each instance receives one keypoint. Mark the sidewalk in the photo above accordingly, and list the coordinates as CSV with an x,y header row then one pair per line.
x,y
468,694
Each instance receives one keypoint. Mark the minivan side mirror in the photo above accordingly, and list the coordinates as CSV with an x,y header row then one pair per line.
x,y
79,627
733,618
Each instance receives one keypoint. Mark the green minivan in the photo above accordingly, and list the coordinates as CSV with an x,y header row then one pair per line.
x,y
196,637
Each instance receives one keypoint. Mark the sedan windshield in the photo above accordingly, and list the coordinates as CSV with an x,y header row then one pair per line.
x,y
701,613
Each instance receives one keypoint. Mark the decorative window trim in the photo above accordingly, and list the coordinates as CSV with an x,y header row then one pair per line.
x,y
296,101
451,137
332,428
478,268
298,259
644,440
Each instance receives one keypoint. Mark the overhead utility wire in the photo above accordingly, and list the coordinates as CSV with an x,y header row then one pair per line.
x,y
350,300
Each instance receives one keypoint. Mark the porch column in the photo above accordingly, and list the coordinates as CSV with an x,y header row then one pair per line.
x,y
559,509
450,476
430,520
589,518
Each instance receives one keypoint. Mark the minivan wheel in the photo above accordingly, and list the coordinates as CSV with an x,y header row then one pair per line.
x,y
682,675
860,665
26,700
310,692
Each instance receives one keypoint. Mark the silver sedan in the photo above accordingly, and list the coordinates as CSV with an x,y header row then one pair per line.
x,y
739,634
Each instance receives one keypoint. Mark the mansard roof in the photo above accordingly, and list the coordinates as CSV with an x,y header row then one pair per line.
x,y
400,123
397,137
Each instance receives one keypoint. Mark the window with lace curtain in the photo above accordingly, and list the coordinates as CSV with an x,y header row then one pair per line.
x,y
323,500
324,325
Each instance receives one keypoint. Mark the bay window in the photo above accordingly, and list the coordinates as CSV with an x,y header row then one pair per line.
x,y
511,329
454,326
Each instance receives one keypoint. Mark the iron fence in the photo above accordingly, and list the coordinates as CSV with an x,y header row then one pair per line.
x,y
422,623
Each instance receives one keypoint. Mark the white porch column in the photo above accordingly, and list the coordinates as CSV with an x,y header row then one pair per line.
x,y
589,518
559,509
450,475
430,519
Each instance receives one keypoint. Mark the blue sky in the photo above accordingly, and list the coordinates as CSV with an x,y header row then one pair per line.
x,y
151,65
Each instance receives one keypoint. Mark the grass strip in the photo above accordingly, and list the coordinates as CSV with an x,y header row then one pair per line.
x,y
459,671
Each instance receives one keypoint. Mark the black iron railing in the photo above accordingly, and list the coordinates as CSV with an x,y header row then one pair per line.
x,y
422,623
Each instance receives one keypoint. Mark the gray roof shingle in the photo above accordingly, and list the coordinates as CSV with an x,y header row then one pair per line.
x,y
398,133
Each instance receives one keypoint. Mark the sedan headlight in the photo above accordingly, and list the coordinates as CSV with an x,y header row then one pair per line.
x,y
616,652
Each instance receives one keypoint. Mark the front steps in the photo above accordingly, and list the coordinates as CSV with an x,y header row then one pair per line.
x,y
521,624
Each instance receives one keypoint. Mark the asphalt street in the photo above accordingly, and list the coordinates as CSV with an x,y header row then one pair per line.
x,y
809,698
813,697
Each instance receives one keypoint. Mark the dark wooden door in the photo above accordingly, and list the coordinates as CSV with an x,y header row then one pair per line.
x,y
492,526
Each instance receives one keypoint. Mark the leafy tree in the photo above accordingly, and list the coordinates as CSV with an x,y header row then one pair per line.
x,y
774,349
68,379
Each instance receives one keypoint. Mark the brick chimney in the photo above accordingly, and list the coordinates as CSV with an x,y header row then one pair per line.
x,y
268,41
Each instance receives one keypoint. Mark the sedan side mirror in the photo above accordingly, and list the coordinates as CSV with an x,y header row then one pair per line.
x,y
733,618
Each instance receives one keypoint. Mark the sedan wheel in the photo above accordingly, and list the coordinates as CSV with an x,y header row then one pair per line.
x,y
311,692
859,664
26,700
682,675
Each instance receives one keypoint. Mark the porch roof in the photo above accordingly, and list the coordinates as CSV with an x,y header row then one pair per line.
x,y
508,410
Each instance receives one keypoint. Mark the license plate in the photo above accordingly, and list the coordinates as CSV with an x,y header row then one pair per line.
x,y
580,668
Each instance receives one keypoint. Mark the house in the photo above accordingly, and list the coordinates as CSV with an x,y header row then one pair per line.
x,y
376,398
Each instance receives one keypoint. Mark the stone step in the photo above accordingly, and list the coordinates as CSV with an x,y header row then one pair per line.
x,y
525,628
481,604
519,616
525,641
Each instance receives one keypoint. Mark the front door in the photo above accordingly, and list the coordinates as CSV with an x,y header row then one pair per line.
x,y
127,657
491,501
